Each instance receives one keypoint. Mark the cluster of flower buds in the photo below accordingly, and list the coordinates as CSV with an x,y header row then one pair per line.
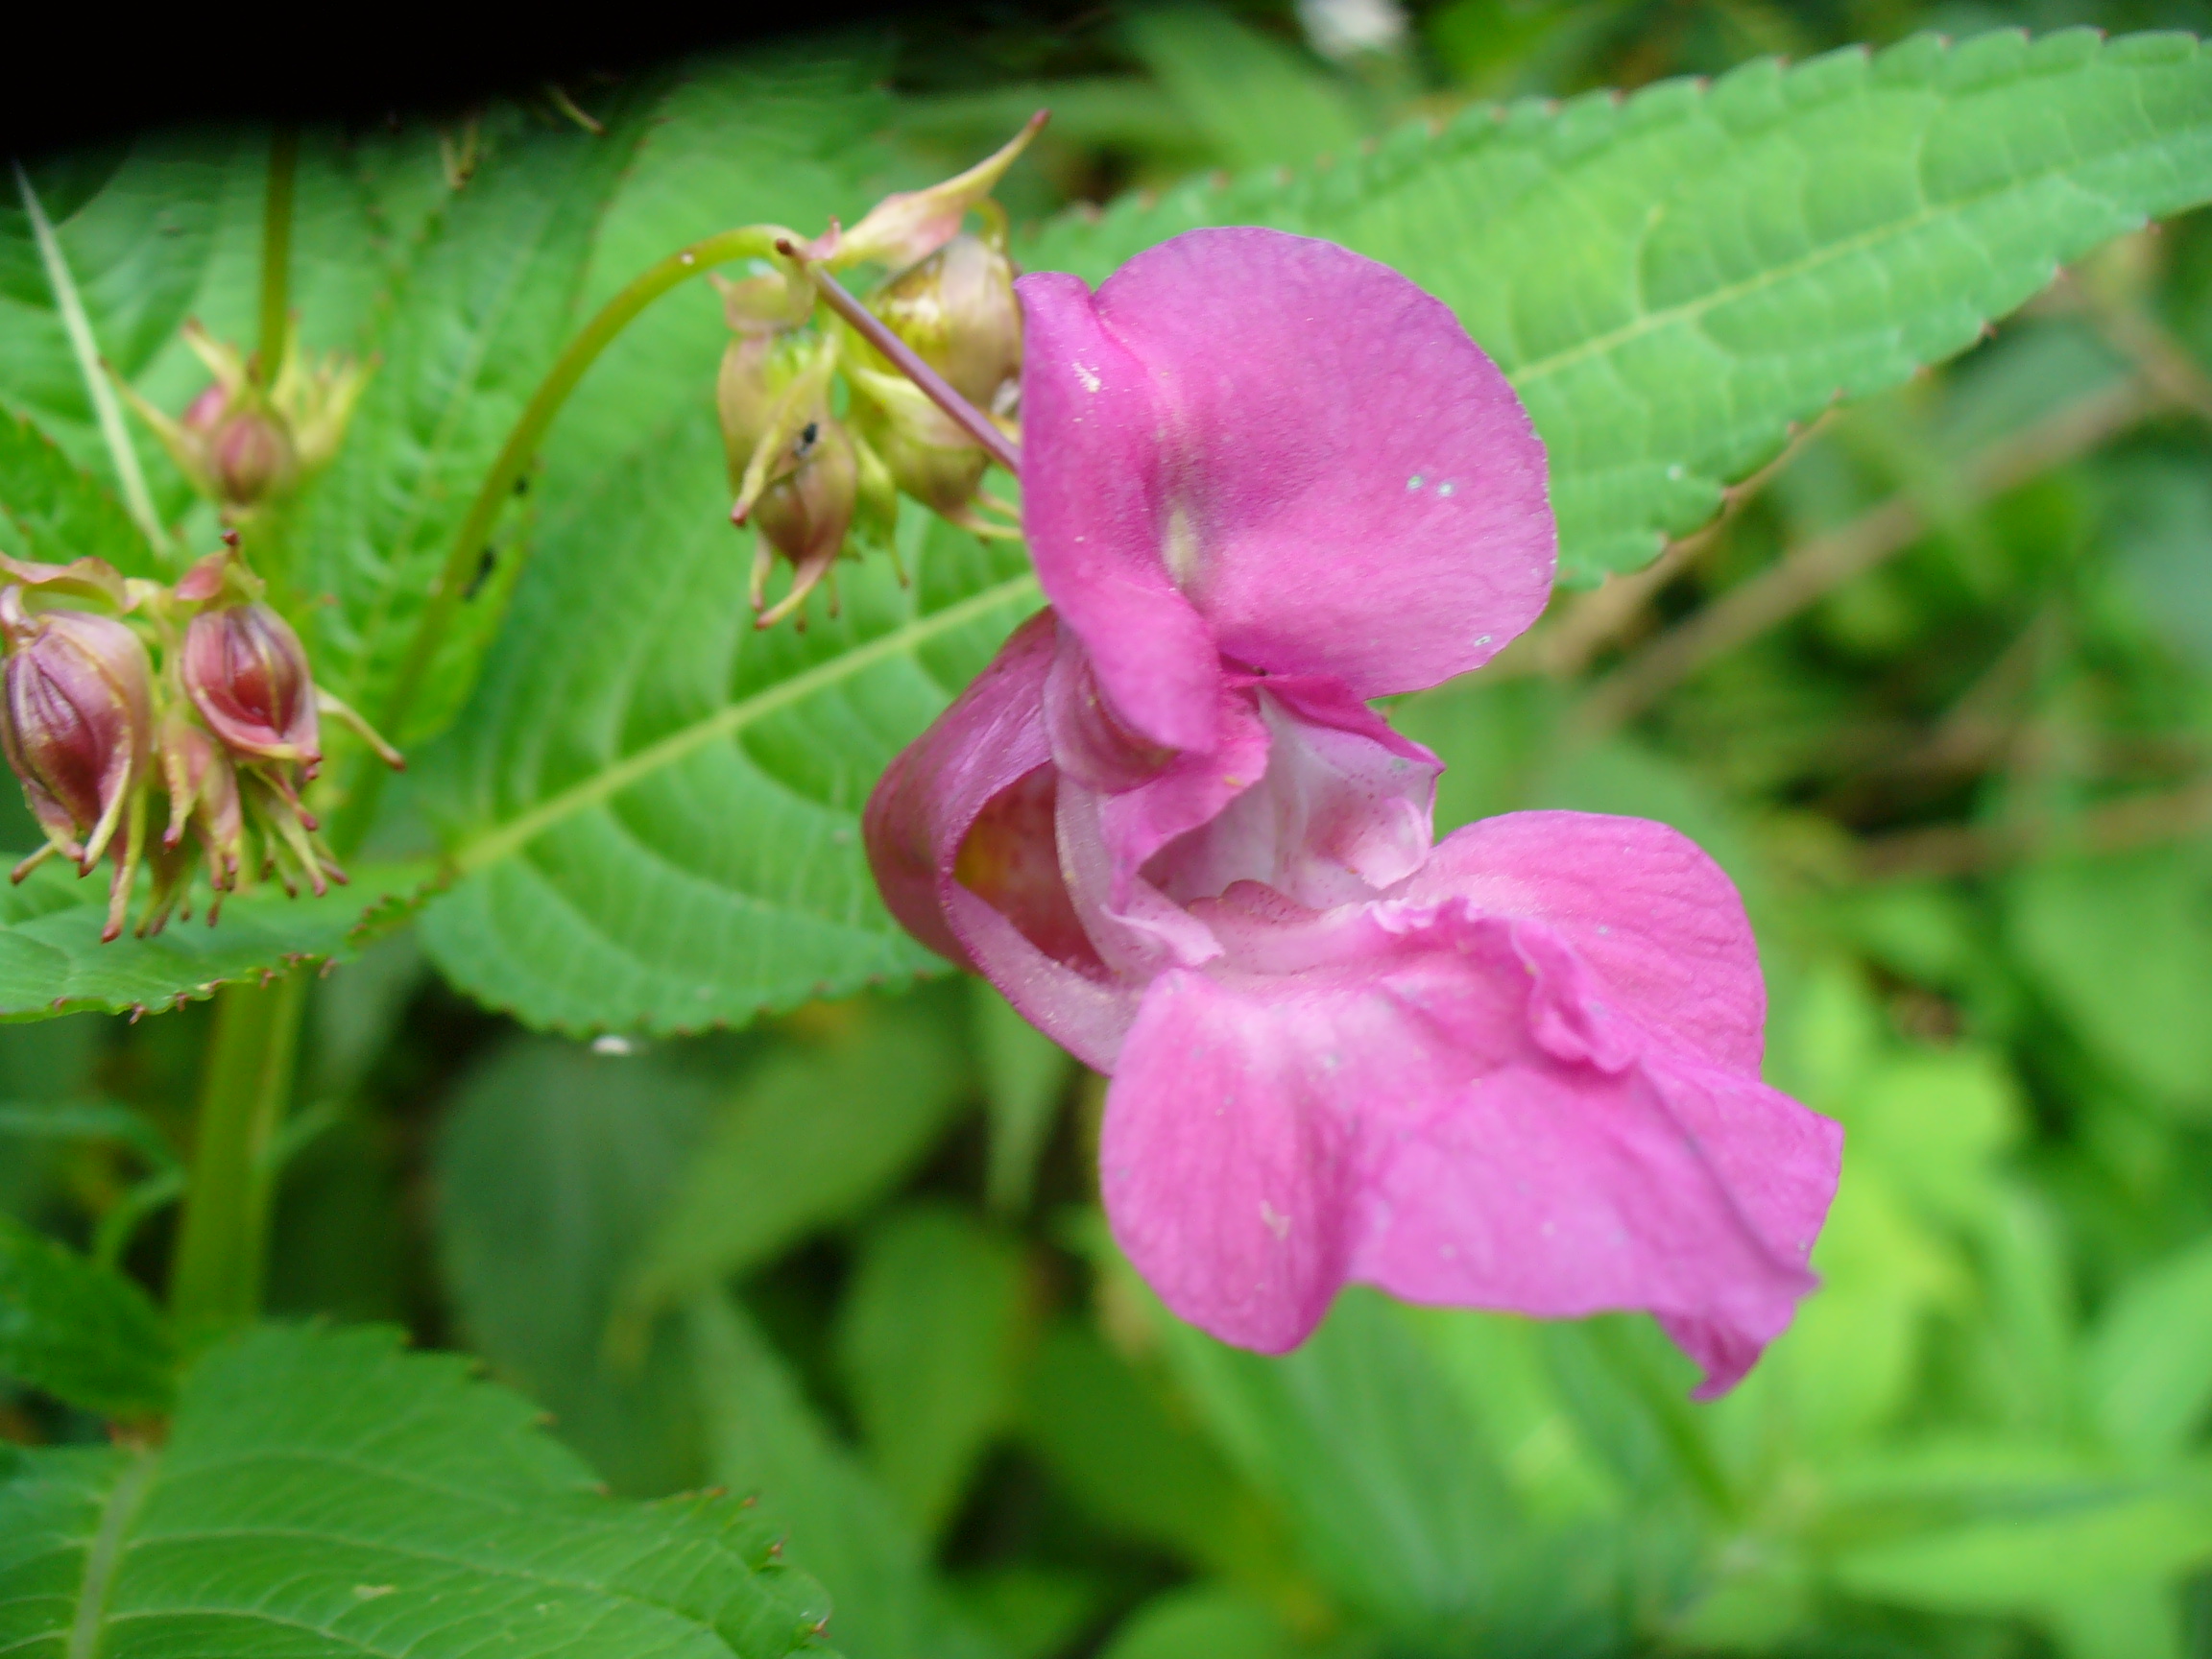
x,y
199,692
807,476
250,439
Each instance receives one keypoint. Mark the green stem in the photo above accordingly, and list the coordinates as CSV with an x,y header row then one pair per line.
x,y
277,250
222,1246
352,821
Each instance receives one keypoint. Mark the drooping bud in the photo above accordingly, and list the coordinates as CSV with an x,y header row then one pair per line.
x,y
757,370
75,723
203,787
249,457
805,515
247,674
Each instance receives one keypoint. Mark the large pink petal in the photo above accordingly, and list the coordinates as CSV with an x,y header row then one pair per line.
x,y
1299,440
1640,903
960,835
1454,1109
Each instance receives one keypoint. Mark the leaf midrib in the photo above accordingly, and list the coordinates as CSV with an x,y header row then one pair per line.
x,y
104,1555
499,843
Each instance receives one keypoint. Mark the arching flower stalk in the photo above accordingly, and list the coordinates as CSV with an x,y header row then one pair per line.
x,y
1265,480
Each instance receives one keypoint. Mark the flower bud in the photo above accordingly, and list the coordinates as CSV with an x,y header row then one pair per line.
x,y
248,675
758,369
958,311
76,721
804,515
249,457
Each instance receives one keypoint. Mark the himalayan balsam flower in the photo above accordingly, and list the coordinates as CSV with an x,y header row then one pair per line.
x,y
1265,480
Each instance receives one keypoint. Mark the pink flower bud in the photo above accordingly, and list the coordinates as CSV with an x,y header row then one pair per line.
x,y
248,675
249,457
76,720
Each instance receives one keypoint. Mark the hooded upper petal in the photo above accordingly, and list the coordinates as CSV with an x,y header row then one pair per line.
x,y
1272,446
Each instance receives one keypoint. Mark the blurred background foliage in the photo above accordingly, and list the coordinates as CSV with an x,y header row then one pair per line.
x,y
1937,691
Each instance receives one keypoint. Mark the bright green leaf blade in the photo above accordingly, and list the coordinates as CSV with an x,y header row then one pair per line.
x,y
1673,280
55,510
482,312
812,1135
1203,1622
762,1438
2118,946
655,810
81,1332
683,847
52,960
2038,1559
324,1493
930,1335
1140,1469
2148,1368
550,1169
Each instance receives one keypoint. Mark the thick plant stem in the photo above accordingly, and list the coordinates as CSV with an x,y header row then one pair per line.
x,y
749,242
221,1247
277,250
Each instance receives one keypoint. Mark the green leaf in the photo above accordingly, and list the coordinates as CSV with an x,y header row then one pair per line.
x,y
2036,1559
2148,1367
1025,1075
930,1336
549,1171
2121,947
53,509
325,1493
477,318
81,1332
656,810
1139,1468
52,960
1673,280
815,1133
762,1438
1203,1622
1399,1506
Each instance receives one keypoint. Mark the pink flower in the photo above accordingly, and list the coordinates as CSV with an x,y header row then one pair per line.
x,y
1265,480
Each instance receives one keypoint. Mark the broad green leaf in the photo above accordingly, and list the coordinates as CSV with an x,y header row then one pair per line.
x,y
472,325
52,960
2036,1559
1399,1506
2120,947
930,1336
812,1134
324,1493
762,1438
1025,1075
656,810
1672,280
2148,1365
50,510
1202,1622
81,1332
549,1170
1136,1467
